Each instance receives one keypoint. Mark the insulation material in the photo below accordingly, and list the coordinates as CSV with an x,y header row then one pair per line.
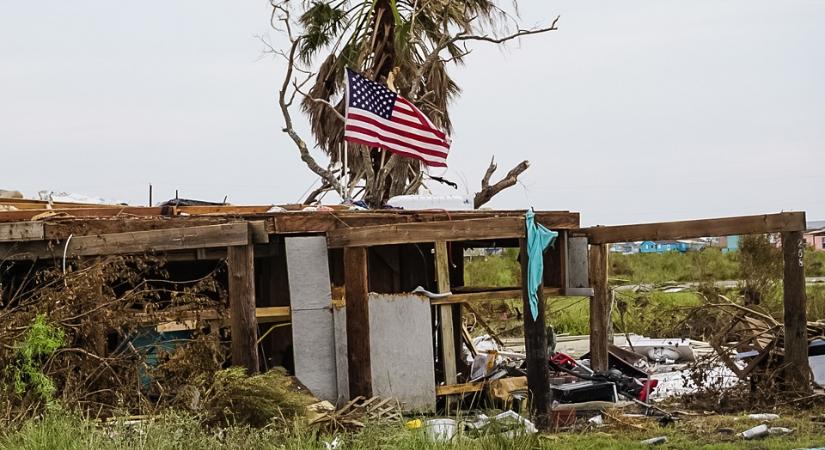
x,y
401,350
313,330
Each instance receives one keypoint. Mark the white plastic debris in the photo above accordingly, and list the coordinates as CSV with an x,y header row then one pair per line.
x,y
763,416
654,441
445,202
527,427
756,432
335,443
440,430
778,431
596,420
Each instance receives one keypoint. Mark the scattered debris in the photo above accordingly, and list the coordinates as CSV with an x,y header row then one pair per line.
x,y
357,412
756,432
655,441
441,430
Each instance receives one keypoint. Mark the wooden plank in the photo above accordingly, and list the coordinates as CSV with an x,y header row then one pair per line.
x,y
121,211
134,211
448,343
26,203
324,221
506,294
236,210
240,261
766,223
409,233
797,368
535,344
456,389
257,231
21,231
57,230
358,331
209,236
599,307
191,319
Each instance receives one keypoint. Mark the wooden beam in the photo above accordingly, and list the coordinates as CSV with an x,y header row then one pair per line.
x,y
356,282
21,231
209,236
240,261
797,367
504,294
535,344
410,233
446,324
767,223
190,320
325,221
599,307
457,389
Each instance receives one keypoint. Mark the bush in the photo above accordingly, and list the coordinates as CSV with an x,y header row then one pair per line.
x,y
26,372
258,400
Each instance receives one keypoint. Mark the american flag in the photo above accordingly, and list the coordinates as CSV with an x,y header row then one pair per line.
x,y
378,117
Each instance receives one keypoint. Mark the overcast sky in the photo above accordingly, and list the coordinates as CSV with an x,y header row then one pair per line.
x,y
632,111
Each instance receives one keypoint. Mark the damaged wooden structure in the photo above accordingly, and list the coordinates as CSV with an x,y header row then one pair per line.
x,y
369,303
343,281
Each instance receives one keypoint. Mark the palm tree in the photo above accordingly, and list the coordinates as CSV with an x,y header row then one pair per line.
x,y
405,43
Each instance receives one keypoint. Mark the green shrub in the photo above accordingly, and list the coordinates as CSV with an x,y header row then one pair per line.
x,y
40,341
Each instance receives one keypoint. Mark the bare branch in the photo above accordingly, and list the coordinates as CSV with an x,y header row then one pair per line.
x,y
487,191
321,101
306,157
464,36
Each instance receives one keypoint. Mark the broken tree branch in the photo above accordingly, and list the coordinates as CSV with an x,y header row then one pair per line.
x,y
488,191
327,176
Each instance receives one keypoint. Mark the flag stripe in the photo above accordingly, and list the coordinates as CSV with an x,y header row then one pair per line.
x,y
438,152
400,130
371,141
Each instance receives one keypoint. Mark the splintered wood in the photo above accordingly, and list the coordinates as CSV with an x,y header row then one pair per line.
x,y
356,413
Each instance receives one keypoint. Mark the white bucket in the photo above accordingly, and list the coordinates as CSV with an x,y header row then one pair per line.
x,y
440,429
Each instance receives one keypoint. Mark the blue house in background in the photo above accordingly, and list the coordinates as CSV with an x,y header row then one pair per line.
x,y
664,247
729,243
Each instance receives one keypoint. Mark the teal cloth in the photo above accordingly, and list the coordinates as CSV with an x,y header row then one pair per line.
x,y
538,239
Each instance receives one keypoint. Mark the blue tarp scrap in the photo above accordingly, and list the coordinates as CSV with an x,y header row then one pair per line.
x,y
539,238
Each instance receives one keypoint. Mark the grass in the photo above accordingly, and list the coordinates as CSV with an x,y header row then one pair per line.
x,y
63,431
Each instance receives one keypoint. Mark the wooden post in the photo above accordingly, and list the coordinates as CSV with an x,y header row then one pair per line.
x,y
797,368
535,344
356,281
599,307
448,350
243,323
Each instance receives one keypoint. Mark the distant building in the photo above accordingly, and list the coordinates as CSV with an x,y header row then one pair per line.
x,y
729,243
626,248
664,246
815,239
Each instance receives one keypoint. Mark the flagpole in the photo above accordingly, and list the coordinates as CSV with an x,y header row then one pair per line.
x,y
345,175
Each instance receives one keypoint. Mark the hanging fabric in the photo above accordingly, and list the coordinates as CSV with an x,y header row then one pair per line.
x,y
539,238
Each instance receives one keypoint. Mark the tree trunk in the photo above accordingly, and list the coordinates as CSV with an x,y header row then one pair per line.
x,y
384,59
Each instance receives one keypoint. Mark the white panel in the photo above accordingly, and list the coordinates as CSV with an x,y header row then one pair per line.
x,y
401,349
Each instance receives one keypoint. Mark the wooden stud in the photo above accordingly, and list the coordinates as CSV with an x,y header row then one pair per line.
x,y
535,344
448,343
599,307
797,367
356,280
243,324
